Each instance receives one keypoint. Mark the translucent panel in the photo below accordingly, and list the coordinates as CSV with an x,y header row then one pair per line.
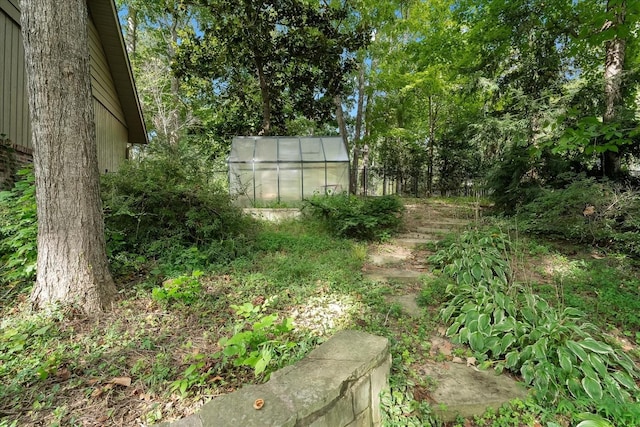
x,y
338,177
241,183
266,182
242,150
289,149
290,181
312,150
313,179
266,150
334,149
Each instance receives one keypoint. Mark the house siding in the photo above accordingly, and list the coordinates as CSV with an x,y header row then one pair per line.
x,y
111,130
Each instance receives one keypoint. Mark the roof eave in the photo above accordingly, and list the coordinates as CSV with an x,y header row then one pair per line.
x,y
105,18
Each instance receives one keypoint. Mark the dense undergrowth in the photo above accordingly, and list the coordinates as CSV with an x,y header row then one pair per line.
x,y
211,300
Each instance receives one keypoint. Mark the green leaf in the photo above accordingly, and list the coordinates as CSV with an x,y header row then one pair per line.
x,y
483,323
511,359
595,346
476,341
598,365
565,360
507,340
576,349
624,380
453,329
592,387
527,372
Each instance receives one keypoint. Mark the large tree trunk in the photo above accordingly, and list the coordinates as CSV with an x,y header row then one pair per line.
x,y
614,67
72,262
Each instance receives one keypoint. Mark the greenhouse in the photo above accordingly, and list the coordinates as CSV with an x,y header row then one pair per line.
x,y
264,170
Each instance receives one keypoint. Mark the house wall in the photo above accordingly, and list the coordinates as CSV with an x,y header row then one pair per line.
x,y
111,130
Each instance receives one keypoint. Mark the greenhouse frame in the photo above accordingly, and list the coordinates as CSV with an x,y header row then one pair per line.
x,y
276,169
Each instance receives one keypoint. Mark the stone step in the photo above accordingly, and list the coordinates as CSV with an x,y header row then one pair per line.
x,y
412,241
387,259
408,303
393,274
467,391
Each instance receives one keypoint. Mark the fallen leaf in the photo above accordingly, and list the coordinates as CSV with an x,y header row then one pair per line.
x,y
457,359
471,361
103,419
123,381
597,256
96,393
92,381
258,404
589,210
216,378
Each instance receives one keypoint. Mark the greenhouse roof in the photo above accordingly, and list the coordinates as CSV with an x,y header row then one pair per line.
x,y
277,149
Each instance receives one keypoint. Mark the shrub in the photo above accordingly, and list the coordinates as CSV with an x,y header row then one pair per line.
x,y
586,209
161,207
18,234
368,218
556,352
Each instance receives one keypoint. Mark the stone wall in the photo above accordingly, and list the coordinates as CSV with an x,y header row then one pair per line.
x,y
12,158
273,214
337,385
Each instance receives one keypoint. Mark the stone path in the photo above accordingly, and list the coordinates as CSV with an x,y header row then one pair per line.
x,y
461,389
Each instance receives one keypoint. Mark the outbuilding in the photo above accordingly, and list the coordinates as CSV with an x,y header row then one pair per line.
x,y
266,170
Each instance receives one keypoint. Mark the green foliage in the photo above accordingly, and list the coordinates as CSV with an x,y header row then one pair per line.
x,y
368,218
18,235
257,339
164,207
400,409
586,209
556,353
185,289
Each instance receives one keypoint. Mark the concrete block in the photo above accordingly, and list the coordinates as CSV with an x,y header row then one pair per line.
x,y
379,382
340,415
313,385
361,392
363,419
236,409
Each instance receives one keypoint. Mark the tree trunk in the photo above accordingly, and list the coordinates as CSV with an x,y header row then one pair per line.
x,y
173,130
266,97
358,129
337,101
132,31
72,262
613,69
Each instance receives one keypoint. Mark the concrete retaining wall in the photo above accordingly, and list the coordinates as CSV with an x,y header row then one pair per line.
x,y
272,214
337,385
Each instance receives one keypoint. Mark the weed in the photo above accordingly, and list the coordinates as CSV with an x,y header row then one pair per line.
x,y
184,289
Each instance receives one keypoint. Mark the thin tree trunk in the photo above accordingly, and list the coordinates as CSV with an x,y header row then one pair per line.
x,y
614,67
173,134
358,130
337,101
266,97
72,262
132,31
